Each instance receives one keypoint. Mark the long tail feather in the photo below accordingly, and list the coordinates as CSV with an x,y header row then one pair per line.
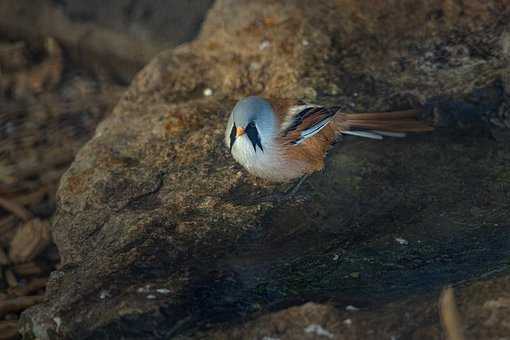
x,y
390,134
394,115
391,124
367,134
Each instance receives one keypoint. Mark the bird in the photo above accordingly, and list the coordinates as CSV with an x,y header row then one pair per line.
x,y
281,139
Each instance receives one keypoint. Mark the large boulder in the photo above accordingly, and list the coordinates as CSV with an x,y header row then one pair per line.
x,y
162,235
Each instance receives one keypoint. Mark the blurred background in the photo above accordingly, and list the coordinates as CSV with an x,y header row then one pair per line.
x,y
63,66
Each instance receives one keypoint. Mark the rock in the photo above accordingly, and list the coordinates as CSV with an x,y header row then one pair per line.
x,y
415,318
155,203
29,241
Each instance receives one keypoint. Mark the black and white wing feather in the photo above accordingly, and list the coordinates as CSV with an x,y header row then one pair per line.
x,y
305,121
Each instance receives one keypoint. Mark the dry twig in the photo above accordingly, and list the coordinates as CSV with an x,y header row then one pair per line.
x,y
15,209
4,260
18,304
33,286
30,240
8,329
30,268
10,278
450,315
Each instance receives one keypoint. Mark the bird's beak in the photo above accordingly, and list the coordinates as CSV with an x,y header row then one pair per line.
x,y
239,131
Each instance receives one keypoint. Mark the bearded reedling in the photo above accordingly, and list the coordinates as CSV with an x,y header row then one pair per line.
x,y
282,139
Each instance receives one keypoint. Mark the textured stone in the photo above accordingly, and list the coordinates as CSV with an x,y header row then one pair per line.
x,y
154,203
484,309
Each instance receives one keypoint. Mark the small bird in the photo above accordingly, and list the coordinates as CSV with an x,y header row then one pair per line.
x,y
283,139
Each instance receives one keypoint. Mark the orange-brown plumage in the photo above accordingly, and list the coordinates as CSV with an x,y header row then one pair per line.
x,y
313,150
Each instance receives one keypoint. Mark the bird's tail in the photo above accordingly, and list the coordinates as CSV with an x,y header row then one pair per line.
x,y
380,124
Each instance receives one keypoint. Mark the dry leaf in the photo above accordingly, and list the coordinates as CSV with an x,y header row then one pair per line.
x,y
30,240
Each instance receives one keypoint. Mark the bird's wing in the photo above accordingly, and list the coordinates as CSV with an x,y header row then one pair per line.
x,y
304,121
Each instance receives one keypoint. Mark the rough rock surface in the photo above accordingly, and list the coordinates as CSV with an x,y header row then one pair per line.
x,y
162,235
484,308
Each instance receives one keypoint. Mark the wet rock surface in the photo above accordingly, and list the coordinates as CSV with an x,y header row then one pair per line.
x,y
162,235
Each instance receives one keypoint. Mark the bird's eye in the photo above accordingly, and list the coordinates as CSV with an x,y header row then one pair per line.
x,y
232,136
253,134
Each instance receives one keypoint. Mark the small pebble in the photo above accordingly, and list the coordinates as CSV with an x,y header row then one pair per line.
x,y
355,275
208,92
305,42
318,330
254,66
58,322
348,322
104,294
351,308
151,297
144,289
401,241
163,291
263,45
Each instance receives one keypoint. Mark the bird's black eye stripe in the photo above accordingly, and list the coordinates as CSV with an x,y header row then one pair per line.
x,y
253,134
232,136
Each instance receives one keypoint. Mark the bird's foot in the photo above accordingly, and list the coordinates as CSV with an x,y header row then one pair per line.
x,y
293,190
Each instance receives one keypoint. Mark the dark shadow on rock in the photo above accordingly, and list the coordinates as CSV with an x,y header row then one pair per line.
x,y
392,221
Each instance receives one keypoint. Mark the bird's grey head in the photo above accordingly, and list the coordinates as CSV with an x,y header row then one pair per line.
x,y
253,117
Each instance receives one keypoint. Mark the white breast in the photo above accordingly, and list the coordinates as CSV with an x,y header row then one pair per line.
x,y
270,164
